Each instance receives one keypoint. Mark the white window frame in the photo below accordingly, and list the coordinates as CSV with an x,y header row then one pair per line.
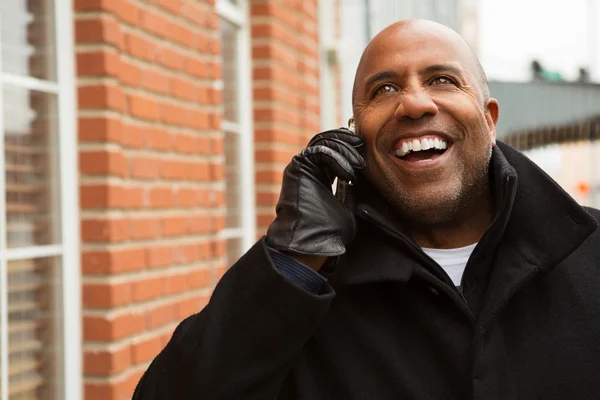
x,y
68,249
238,15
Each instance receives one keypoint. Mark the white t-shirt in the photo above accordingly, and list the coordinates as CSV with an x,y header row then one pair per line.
x,y
453,261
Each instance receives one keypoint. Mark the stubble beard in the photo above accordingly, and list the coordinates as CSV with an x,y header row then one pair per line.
x,y
442,207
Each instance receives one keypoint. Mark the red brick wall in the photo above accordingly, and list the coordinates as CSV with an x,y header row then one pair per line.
x,y
150,155
286,91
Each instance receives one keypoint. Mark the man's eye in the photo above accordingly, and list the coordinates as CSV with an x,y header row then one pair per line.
x,y
384,89
442,80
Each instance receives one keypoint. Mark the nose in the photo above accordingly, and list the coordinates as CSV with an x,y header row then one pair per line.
x,y
415,105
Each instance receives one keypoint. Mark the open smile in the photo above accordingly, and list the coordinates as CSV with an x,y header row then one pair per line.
x,y
425,152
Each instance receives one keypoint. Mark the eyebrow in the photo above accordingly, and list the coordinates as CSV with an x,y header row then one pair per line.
x,y
437,68
380,76
432,69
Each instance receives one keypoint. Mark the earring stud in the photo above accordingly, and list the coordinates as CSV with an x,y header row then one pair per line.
x,y
351,125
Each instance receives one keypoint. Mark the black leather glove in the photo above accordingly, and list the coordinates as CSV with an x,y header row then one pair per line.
x,y
310,219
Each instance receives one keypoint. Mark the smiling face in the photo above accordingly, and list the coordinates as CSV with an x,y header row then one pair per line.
x,y
428,125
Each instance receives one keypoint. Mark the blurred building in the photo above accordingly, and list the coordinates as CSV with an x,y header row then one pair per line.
x,y
143,143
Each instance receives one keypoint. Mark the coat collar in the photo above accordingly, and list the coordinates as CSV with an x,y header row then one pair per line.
x,y
536,221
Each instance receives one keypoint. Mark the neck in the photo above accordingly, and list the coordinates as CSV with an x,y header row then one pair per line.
x,y
465,228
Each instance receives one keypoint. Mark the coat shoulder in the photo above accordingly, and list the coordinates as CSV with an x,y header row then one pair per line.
x,y
594,212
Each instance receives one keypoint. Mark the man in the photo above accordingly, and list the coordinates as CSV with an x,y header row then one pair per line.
x,y
457,270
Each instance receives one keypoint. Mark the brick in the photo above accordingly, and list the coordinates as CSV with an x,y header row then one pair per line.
x,y
147,289
174,284
112,261
119,389
199,224
130,74
144,228
102,328
134,136
194,13
157,257
199,279
145,350
219,248
195,67
103,62
173,226
161,315
173,6
102,129
173,114
107,362
273,156
143,107
102,163
217,146
187,197
173,169
101,96
203,145
103,29
145,168
186,254
156,81
206,251
217,171
199,119
139,47
101,196
128,12
218,223
155,23
219,198
106,295
134,198
158,138
170,58
183,89
267,198
271,176
104,230
278,135
181,34
184,143
198,171
161,197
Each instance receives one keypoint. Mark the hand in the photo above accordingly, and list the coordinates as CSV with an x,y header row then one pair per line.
x,y
310,220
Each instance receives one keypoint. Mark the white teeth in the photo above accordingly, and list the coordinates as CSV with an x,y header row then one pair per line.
x,y
401,152
416,145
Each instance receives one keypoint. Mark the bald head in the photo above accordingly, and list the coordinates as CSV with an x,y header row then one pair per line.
x,y
440,35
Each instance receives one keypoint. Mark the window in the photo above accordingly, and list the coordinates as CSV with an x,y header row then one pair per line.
x,y
39,258
237,128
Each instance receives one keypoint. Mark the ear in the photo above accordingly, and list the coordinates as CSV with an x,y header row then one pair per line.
x,y
492,109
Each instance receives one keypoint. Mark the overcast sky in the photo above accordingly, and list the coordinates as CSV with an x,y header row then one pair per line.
x,y
513,32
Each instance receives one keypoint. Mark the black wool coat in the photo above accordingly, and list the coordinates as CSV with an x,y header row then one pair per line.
x,y
391,325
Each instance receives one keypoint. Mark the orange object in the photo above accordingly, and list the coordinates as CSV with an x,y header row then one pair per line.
x,y
583,187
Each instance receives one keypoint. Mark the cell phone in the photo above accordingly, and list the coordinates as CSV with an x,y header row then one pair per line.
x,y
343,192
